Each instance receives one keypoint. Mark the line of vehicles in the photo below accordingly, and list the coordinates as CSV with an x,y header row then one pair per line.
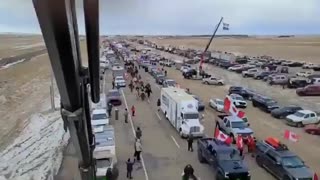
x,y
181,109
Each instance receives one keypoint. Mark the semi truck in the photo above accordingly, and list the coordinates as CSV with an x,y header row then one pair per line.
x,y
181,110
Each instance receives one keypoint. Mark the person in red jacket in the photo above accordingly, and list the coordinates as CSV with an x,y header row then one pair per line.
x,y
240,144
133,110
252,145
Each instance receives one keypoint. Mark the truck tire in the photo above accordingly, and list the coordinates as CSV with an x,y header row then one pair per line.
x,y
299,124
220,83
200,157
254,104
180,133
219,176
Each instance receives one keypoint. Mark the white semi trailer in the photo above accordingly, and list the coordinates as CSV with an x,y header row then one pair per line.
x,y
181,109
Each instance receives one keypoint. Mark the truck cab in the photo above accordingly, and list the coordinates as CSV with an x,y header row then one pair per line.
x,y
190,124
234,126
222,158
302,117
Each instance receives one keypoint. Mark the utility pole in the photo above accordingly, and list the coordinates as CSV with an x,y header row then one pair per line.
x,y
53,108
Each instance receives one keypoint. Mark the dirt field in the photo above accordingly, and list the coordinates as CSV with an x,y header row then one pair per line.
x,y
23,86
296,48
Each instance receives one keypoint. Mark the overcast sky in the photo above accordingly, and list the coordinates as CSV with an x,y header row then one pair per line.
x,y
181,17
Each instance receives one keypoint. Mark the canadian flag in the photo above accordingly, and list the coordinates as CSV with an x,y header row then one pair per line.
x,y
315,176
229,107
291,136
222,136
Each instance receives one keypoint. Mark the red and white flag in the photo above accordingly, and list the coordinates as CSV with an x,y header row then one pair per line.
x,y
229,107
239,142
222,136
315,176
291,136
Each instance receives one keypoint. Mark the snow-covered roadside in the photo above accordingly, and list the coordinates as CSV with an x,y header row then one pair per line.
x,y
37,153
11,64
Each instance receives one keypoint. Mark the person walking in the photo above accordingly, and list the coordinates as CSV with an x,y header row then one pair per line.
x,y
118,86
138,133
252,145
131,86
165,73
148,90
109,174
239,143
133,110
158,104
109,109
125,114
129,168
138,149
190,142
112,84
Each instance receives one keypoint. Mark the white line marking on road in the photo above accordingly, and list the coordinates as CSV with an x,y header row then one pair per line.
x,y
158,115
174,140
134,133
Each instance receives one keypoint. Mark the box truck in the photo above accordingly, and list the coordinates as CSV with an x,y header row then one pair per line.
x,y
181,109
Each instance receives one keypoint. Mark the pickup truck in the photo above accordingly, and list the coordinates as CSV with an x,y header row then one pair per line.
x,y
194,74
302,117
234,126
223,158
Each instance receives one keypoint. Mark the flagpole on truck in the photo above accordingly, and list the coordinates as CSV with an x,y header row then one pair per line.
x,y
208,45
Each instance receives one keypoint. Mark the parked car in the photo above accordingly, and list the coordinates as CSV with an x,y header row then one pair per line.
x,y
297,83
277,159
279,80
313,129
310,90
249,72
304,73
160,78
201,105
264,103
224,159
285,111
213,81
244,92
99,117
235,67
308,66
184,69
169,83
315,81
294,64
262,74
217,104
302,117
238,100
114,97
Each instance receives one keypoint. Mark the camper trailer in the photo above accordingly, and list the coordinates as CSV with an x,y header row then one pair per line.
x,y
181,109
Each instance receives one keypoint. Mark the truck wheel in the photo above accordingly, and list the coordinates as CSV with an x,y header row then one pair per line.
x,y
200,157
259,162
220,83
254,104
219,176
180,133
299,125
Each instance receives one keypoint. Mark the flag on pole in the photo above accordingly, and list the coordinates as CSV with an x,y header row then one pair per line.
x,y
291,136
222,136
225,26
315,176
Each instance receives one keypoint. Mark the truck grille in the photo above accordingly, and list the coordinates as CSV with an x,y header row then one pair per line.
x,y
242,103
239,176
194,129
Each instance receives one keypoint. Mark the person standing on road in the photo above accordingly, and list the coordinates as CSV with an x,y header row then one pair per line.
x,y
252,145
239,143
133,110
131,86
158,104
138,149
165,73
190,142
109,174
138,133
112,84
109,109
129,168
125,114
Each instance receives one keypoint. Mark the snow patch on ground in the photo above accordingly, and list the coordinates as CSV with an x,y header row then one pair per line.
x,y
37,153
11,64
29,46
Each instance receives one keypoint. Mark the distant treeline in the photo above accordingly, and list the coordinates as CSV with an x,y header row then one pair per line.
x,y
285,36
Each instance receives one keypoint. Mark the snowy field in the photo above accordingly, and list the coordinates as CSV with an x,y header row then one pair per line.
x,y
37,153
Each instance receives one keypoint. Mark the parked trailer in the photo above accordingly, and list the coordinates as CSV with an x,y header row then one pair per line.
x,y
181,109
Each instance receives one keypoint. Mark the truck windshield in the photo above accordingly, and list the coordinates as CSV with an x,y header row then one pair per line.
x,y
229,156
292,162
299,114
238,124
191,116
99,116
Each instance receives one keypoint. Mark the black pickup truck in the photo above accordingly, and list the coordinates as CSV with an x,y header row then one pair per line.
x,y
223,158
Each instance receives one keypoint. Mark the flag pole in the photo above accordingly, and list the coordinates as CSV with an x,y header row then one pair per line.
x,y
208,45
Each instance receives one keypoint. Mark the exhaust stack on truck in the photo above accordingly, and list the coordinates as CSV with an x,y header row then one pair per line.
x,y
181,109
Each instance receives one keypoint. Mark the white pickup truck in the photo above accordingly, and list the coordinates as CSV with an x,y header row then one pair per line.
x,y
234,126
302,117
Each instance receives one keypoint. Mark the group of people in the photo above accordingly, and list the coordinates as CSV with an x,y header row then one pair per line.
x,y
142,90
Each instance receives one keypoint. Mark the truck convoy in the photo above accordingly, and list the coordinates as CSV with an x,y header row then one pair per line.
x,y
181,109
225,159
